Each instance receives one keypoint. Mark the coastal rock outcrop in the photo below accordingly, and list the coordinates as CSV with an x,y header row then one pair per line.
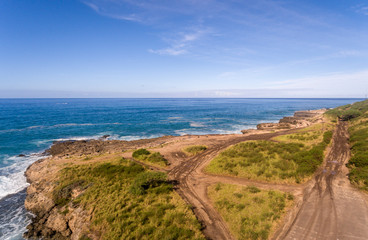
x,y
300,119
52,221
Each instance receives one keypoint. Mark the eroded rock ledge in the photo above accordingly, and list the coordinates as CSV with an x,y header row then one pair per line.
x,y
51,221
300,119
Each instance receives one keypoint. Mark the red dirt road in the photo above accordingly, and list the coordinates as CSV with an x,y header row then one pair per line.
x,y
332,208
193,183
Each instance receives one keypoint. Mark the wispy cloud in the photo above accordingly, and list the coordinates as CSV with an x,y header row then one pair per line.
x,y
181,43
261,34
361,9
128,17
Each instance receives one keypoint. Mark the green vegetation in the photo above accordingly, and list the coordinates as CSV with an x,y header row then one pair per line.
x,y
251,213
350,111
289,161
308,136
127,201
154,158
357,115
195,149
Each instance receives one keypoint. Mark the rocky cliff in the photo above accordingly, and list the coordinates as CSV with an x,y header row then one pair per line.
x,y
52,221
300,119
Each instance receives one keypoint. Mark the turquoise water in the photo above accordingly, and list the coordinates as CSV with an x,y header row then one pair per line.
x,y
29,126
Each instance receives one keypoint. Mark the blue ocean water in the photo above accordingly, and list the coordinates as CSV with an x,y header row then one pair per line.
x,y
29,126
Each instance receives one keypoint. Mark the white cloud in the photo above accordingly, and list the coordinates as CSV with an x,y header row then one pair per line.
x,y
361,9
169,51
101,11
181,43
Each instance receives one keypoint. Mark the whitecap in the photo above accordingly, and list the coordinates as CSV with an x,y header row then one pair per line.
x,y
12,179
196,124
138,137
171,118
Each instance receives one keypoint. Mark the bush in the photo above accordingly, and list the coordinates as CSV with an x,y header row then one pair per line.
x,y
146,180
194,150
350,114
145,155
62,195
141,154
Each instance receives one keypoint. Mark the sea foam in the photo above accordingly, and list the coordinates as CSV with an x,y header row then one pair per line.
x,y
12,179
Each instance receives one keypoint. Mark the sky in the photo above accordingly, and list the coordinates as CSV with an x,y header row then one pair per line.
x,y
184,48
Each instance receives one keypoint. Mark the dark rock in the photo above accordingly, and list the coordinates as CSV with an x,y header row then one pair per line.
x,y
272,126
104,137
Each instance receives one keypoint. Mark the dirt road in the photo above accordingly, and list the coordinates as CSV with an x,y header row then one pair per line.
x,y
193,183
332,208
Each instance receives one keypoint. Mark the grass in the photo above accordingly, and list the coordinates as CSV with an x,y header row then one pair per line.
x,y
127,201
308,136
350,111
358,163
357,115
287,161
250,213
154,158
194,150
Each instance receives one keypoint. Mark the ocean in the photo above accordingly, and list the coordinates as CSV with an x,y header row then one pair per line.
x,y
29,126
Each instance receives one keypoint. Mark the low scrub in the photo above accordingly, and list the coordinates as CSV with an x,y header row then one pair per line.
x,y
271,161
128,201
357,115
250,213
358,163
350,111
151,157
195,149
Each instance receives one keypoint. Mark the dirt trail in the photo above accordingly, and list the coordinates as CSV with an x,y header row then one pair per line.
x,y
193,183
332,208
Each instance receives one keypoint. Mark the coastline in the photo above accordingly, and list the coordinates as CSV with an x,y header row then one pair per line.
x,y
61,153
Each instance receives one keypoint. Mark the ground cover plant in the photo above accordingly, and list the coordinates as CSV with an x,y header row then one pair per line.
x,y
154,158
250,213
127,201
350,111
358,163
358,130
195,149
293,158
309,136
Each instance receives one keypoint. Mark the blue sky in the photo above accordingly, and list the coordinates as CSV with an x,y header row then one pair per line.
x,y
186,48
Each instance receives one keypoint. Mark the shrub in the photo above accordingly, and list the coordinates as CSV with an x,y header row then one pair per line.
x,y
146,180
141,154
350,114
62,195
145,155
194,150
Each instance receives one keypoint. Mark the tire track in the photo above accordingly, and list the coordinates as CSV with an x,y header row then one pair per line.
x,y
325,212
193,182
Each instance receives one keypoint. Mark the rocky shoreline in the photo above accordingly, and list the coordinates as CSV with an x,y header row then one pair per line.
x,y
72,222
